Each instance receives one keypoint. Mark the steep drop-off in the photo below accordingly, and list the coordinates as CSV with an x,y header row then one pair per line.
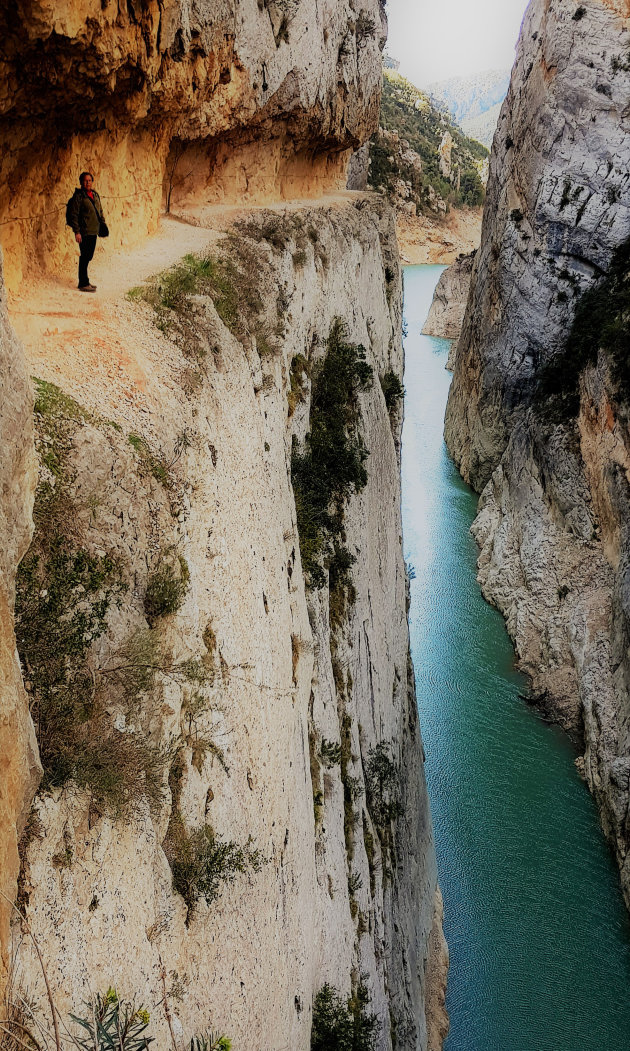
x,y
536,419
211,618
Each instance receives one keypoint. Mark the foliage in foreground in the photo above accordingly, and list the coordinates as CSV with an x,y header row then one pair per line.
x,y
113,1025
343,1025
107,1023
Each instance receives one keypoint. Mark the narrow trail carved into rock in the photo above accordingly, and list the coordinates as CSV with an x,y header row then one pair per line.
x,y
102,349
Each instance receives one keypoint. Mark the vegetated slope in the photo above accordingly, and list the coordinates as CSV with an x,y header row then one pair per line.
x,y
483,127
468,97
537,417
419,157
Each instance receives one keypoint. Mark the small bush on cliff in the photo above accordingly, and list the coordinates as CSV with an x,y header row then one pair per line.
x,y
343,1025
330,466
393,390
233,282
166,591
382,784
202,862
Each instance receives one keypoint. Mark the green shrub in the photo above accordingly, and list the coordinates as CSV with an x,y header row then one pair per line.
x,y
331,464
393,390
201,862
165,591
382,785
343,1025
112,1025
330,752
471,188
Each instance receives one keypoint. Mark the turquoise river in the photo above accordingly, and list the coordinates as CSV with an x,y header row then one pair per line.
x,y
538,933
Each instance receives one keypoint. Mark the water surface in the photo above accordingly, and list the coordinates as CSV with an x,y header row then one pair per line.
x,y
538,933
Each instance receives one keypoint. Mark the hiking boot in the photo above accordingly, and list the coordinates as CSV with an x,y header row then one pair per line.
x,y
87,288
92,287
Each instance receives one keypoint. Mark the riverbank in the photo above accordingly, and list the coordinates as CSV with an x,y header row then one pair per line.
x,y
426,240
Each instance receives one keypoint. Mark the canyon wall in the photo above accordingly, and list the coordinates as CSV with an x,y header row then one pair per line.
x,y
232,808
537,415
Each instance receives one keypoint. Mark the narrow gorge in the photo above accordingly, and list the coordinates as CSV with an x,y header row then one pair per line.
x,y
212,797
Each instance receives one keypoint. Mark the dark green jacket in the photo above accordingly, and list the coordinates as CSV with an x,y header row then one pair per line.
x,y
84,215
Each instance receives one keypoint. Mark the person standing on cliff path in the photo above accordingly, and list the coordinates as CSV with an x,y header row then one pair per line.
x,y
84,214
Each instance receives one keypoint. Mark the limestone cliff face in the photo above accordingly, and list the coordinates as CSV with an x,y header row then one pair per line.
x,y
557,206
292,680
190,692
446,315
180,101
543,435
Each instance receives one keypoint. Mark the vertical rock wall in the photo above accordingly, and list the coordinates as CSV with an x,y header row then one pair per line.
x,y
553,512
98,891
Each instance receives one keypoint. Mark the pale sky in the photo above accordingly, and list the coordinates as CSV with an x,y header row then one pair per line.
x,y
437,39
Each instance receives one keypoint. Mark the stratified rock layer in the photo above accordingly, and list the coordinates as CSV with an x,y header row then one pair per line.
x,y
554,511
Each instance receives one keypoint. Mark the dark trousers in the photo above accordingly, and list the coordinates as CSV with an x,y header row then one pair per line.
x,y
86,248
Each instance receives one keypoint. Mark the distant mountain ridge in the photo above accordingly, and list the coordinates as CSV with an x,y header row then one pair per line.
x,y
419,157
470,97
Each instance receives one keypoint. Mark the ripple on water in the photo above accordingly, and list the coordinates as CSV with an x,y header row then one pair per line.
x,y
539,937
